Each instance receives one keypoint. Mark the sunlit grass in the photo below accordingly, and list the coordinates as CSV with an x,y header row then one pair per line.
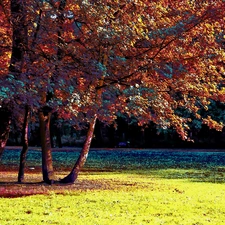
x,y
120,198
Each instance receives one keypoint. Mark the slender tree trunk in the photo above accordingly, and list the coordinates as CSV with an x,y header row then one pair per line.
x,y
19,37
2,146
47,166
45,116
83,155
4,129
25,145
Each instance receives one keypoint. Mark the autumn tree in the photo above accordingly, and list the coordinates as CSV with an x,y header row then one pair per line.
x,y
145,59
95,59
15,41
19,94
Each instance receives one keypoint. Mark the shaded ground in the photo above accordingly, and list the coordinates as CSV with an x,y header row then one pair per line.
x,y
87,181
197,166
34,186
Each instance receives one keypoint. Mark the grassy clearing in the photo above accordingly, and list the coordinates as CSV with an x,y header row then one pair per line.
x,y
117,198
191,194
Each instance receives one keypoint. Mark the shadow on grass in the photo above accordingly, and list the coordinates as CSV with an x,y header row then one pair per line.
x,y
195,166
212,175
105,180
15,189
19,183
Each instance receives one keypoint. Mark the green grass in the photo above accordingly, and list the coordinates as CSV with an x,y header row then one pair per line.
x,y
119,198
119,189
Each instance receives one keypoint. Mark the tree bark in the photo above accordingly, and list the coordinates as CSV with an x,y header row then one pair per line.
x,y
45,116
70,179
19,43
4,129
25,145
19,37
47,165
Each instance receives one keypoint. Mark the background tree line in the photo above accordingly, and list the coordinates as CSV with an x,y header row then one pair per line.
x,y
128,134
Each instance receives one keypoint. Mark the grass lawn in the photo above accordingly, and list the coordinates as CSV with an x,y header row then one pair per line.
x,y
118,187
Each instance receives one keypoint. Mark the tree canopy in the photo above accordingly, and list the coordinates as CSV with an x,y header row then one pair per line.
x,y
89,59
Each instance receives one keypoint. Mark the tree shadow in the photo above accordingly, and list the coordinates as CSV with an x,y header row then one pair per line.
x,y
205,175
5,183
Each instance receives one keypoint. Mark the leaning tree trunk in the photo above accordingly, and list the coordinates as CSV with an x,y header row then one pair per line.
x,y
47,165
4,129
83,155
25,145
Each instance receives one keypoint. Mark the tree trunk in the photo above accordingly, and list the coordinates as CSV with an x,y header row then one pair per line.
x,y
19,43
25,145
47,166
19,37
83,155
4,129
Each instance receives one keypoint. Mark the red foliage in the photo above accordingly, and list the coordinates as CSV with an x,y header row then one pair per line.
x,y
144,58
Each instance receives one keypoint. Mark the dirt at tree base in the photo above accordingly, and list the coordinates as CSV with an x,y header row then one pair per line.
x,y
33,185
